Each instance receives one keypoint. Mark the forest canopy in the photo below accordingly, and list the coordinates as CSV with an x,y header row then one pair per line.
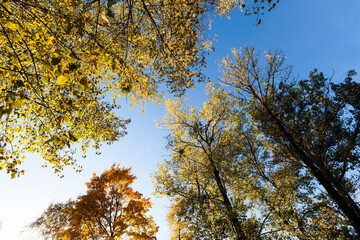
x,y
269,155
62,60
272,158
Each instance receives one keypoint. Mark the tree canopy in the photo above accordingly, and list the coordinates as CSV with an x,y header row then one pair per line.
x,y
62,60
314,121
227,181
110,209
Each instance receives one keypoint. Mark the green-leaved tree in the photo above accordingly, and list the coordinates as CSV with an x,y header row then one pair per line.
x,y
226,180
315,122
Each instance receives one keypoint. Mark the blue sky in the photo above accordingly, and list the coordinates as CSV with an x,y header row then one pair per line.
x,y
312,33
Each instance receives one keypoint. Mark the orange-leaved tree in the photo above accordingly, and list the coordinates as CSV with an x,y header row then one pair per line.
x,y
110,209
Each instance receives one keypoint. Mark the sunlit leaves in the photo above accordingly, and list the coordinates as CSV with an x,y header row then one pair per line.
x,y
60,59
272,194
62,80
47,103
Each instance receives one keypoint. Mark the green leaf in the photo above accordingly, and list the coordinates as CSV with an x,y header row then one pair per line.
x,y
73,67
111,3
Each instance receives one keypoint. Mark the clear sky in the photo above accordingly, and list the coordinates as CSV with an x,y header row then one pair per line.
x,y
312,33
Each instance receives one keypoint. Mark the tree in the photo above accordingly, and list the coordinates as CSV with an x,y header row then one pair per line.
x,y
61,58
52,219
314,121
110,209
202,202
226,181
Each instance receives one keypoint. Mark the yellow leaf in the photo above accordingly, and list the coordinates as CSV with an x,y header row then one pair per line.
x,y
62,80
11,26
16,104
31,42
62,139
51,40
92,57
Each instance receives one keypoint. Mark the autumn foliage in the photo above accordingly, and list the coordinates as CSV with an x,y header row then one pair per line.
x,y
274,158
110,209
61,58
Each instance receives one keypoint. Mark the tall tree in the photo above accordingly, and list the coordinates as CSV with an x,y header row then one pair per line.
x,y
60,58
314,121
226,181
110,209
204,203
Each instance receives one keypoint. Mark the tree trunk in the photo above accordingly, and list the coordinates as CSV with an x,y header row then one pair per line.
x,y
336,192
233,217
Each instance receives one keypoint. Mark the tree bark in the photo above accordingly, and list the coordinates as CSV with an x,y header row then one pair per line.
x,y
336,192
233,217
